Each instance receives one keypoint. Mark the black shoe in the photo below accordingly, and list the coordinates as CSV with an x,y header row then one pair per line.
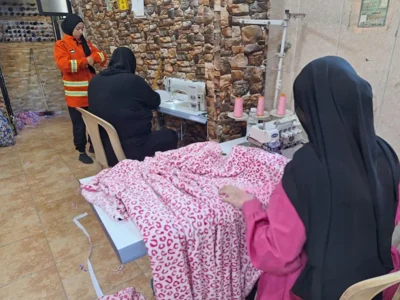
x,y
91,150
84,158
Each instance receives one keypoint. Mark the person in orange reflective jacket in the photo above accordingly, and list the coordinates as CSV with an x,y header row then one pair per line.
x,y
76,58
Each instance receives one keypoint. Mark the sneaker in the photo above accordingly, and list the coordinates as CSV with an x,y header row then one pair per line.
x,y
84,158
91,149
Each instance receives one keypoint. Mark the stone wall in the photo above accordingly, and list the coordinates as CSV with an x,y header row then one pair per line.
x,y
200,40
239,52
22,81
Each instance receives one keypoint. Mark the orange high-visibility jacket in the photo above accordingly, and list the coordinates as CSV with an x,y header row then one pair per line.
x,y
72,62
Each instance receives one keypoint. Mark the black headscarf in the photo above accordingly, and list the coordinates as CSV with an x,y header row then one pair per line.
x,y
343,183
68,26
122,61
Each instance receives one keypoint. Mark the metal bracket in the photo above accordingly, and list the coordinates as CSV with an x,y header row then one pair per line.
x,y
284,46
262,22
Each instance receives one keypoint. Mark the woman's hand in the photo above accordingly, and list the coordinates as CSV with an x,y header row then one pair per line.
x,y
234,196
90,60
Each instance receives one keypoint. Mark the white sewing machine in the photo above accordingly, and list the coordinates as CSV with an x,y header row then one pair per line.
x,y
190,94
277,135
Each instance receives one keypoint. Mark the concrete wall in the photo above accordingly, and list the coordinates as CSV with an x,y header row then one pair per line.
x,y
330,28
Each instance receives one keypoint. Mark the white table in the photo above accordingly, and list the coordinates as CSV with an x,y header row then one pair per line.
x,y
125,236
179,110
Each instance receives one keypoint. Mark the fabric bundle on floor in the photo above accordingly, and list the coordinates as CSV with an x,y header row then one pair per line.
x,y
6,134
27,119
195,242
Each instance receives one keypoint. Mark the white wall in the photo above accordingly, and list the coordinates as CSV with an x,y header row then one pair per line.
x,y
330,28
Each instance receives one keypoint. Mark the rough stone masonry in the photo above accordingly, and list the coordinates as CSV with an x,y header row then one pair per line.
x,y
200,40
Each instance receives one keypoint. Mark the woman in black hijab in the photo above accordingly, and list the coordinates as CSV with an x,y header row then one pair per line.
x,y
76,58
126,101
343,186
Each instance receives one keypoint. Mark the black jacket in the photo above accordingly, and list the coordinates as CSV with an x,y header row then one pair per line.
x,y
123,99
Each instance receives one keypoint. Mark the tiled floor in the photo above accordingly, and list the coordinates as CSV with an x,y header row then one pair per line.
x,y
40,247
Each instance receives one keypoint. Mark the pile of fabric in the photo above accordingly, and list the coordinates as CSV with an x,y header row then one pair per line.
x,y
27,119
6,133
196,243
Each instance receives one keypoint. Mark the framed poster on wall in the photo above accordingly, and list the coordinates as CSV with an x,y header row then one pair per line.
x,y
373,13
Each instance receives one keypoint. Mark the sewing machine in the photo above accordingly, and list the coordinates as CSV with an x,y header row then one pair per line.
x,y
190,94
184,99
277,135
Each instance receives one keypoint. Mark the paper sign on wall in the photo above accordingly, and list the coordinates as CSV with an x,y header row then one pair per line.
x,y
373,13
123,5
138,8
109,5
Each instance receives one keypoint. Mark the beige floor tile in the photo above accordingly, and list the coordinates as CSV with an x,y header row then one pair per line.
x,y
43,285
7,156
144,265
25,145
13,184
53,189
12,203
49,169
57,213
141,284
67,240
86,172
62,144
29,134
60,130
25,257
36,154
79,169
10,166
7,150
59,121
77,283
32,167
21,224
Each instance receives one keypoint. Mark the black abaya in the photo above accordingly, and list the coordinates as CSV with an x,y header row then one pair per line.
x,y
343,183
126,101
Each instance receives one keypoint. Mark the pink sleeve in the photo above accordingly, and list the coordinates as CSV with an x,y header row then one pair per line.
x,y
398,211
275,237
389,292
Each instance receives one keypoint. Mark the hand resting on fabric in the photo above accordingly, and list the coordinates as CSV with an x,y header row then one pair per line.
x,y
234,196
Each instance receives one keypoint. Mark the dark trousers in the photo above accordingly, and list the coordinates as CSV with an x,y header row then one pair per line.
x,y
145,146
158,141
253,293
78,129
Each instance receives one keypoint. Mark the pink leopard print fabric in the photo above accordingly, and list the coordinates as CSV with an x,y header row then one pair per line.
x,y
196,243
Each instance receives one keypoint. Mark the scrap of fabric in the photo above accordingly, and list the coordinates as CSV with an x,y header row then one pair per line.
x,y
195,242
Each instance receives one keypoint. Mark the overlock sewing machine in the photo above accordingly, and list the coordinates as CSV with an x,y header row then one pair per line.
x,y
186,93
277,135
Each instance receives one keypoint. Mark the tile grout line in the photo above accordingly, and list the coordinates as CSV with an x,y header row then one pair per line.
x,y
94,246
41,224
29,188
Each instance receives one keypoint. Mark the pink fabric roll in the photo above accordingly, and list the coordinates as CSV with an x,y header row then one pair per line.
x,y
281,111
238,109
260,106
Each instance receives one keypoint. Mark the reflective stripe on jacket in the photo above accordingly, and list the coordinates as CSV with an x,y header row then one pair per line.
x,y
72,62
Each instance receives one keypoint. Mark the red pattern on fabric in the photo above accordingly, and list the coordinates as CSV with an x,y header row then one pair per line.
x,y
196,243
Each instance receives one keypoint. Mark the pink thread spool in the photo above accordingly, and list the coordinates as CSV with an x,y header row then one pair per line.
x,y
238,109
281,111
260,106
